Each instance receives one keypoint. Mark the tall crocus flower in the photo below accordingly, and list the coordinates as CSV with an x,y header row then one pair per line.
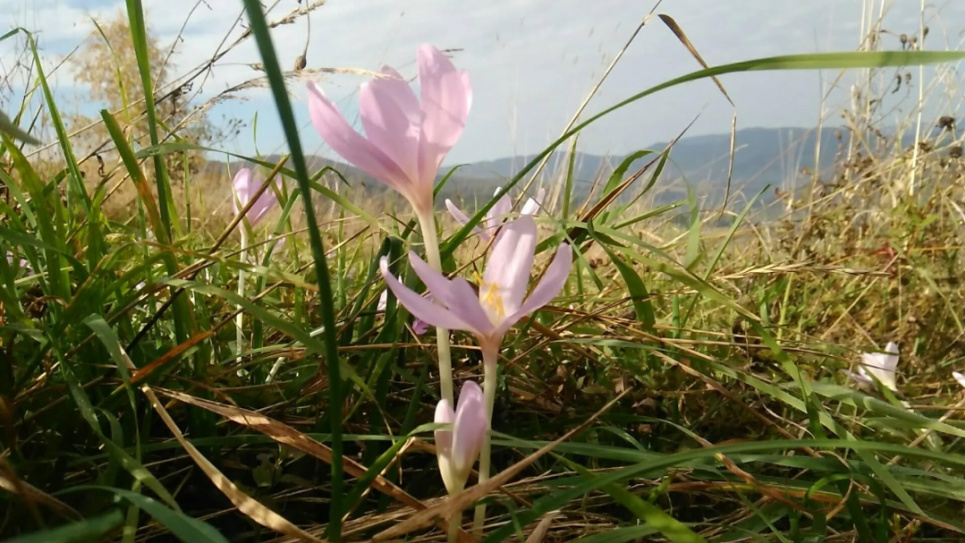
x,y
406,138
879,365
457,447
501,300
497,214
488,315
245,185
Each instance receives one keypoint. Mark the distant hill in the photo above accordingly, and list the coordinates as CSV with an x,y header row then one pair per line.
x,y
780,157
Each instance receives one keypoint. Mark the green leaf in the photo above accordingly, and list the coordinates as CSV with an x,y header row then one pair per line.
x,y
185,528
12,130
84,531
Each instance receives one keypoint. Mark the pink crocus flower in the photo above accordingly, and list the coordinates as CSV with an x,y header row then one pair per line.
x,y
406,137
419,326
501,301
959,377
881,366
457,447
245,185
497,214
21,262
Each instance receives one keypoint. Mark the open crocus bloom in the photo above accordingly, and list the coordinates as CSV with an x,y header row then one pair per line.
x,y
457,447
500,301
498,213
245,185
406,137
880,365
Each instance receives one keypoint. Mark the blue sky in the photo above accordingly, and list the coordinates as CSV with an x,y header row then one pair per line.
x,y
531,62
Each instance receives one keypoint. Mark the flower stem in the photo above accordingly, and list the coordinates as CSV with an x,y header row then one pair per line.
x,y
490,373
431,239
240,318
454,523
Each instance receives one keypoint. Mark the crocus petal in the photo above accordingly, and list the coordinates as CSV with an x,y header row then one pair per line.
x,y
500,210
548,288
240,184
262,205
390,115
469,429
463,219
383,301
532,205
419,326
882,365
959,377
511,261
350,145
445,415
891,359
420,307
457,295
446,96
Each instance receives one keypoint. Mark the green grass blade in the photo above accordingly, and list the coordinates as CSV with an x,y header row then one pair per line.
x,y
135,15
326,303
185,528
84,531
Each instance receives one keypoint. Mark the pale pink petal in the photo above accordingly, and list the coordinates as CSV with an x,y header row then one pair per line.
x,y
456,213
391,115
882,365
959,377
463,219
548,288
240,184
469,429
383,301
262,205
891,360
511,261
465,303
344,140
445,415
532,205
457,295
419,326
446,96
499,212
420,307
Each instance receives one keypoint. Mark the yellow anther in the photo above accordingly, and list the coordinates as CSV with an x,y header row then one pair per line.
x,y
490,296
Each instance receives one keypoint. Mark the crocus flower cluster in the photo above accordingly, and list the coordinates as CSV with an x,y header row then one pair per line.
x,y
406,137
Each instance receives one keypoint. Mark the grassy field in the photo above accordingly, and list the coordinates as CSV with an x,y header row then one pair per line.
x,y
165,377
